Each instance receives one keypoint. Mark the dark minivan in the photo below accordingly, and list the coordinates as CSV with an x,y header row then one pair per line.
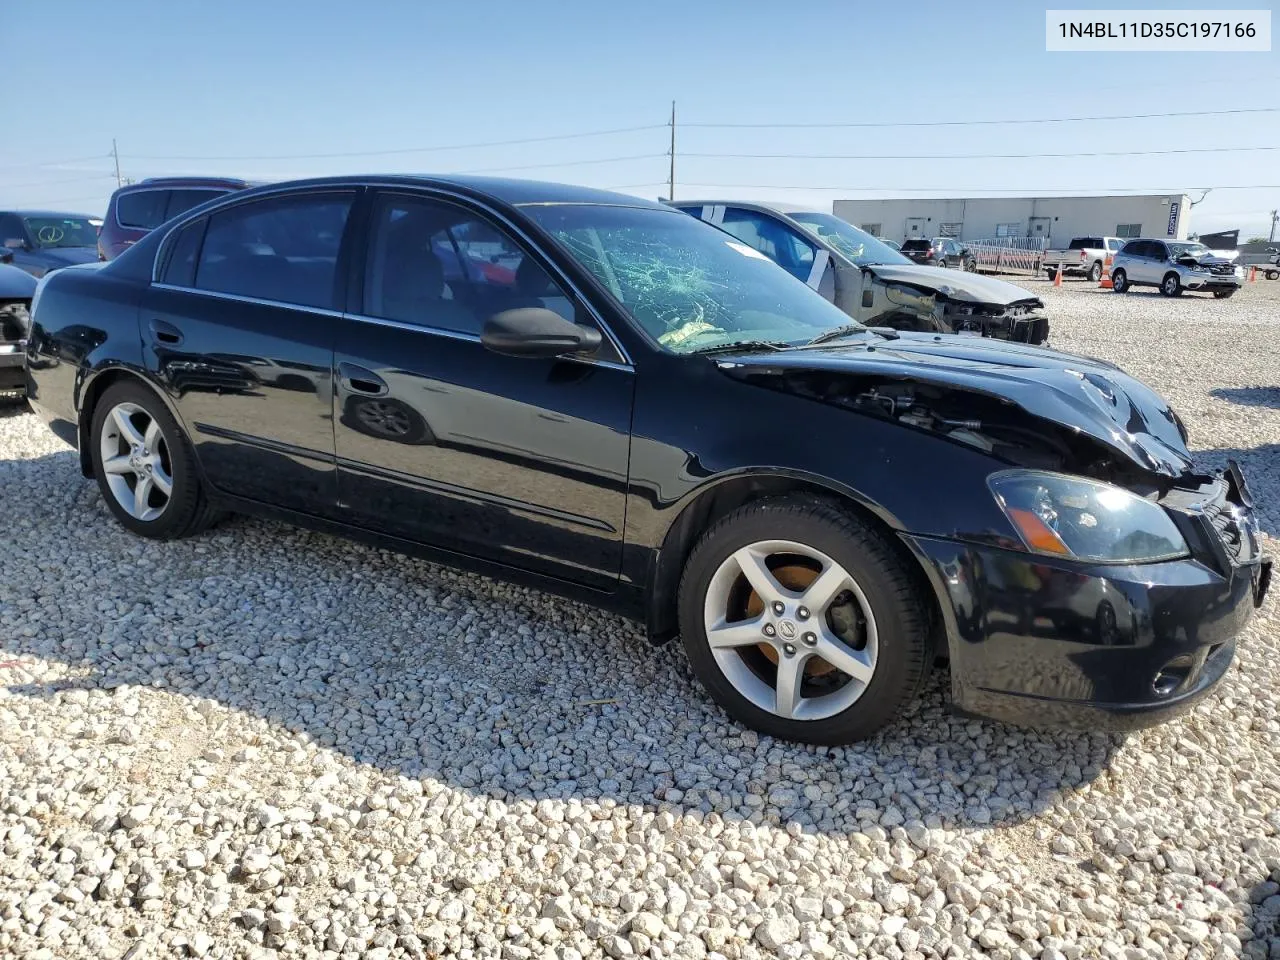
x,y
136,210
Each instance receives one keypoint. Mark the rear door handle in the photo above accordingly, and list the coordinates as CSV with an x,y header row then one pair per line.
x,y
165,333
359,380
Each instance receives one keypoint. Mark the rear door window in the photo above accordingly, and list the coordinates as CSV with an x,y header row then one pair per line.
x,y
283,249
142,209
180,270
915,245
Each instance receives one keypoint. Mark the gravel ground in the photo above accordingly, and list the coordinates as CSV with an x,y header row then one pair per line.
x,y
266,742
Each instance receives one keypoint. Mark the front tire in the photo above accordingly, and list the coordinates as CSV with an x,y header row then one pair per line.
x,y
145,466
803,622
1171,285
1120,281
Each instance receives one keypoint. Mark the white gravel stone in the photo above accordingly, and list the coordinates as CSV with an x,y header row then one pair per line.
x,y
267,743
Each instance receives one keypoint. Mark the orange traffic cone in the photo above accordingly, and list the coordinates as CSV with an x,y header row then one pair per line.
x,y
1057,277
1253,274
1105,283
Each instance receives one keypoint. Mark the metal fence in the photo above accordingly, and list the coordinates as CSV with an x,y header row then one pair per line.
x,y
1008,254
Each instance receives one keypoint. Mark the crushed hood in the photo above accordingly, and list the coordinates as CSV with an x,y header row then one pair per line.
x,y
1088,396
955,284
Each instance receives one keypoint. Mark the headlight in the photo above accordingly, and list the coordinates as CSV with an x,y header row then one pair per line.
x,y
1239,271
1085,519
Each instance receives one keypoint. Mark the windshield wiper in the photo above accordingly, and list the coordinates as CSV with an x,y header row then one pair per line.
x,y
742,345
835,333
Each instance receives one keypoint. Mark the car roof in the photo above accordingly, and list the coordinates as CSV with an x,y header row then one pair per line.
x,y
47,213
153,182
503,189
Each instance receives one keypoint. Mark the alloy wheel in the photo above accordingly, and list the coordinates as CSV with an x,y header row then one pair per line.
x,y
791,630
136,461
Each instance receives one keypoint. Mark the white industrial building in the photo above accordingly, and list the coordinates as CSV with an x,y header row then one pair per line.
x,y
1054,220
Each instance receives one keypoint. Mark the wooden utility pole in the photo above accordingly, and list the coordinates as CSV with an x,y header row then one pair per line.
x,y
115,153
671,181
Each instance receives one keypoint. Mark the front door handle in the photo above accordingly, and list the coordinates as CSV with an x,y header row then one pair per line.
x,y
359,380
165,333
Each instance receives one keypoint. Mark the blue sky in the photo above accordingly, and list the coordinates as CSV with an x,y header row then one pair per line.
x,y
284,78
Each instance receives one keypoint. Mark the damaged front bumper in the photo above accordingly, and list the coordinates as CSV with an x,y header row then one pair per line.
x,y
1035,640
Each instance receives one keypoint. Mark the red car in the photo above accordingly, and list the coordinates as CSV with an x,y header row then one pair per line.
x,y
136,210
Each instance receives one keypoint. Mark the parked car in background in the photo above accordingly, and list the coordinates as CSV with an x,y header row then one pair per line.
x,y
137,209
891,244
44,240
17,287
871,282
632,421
1174,266
940,252
1083,256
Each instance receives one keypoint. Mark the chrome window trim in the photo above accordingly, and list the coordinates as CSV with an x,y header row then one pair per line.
x,y
376,321
216,191
240,298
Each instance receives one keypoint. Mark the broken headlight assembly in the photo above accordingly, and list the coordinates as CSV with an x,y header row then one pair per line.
x,y
1080,519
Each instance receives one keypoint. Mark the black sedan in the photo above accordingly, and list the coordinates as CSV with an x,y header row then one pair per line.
x,y
940,252
642,412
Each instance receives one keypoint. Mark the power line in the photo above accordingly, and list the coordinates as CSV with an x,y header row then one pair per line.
x,y
56,163
432,149
568,163
953,191
55,183
977,123
967,156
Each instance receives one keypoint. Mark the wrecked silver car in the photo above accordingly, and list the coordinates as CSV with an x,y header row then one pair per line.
x,y
872,282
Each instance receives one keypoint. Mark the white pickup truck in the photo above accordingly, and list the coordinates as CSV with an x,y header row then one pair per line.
x,y
1084,255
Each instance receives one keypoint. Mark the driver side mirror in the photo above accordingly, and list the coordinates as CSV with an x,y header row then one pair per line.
x,y
537,332
15,243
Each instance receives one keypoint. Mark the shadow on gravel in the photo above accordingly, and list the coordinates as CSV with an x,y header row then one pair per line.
x,y
10,409
1262,916
421,671
1249,396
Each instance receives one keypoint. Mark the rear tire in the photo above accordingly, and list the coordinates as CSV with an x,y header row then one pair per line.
x,y
1095,272
137,449
1171,285
1222,294
1120,281
1273,274
862,591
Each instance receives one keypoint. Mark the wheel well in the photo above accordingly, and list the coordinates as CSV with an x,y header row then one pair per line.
x,y
1170,273
97,386
723,499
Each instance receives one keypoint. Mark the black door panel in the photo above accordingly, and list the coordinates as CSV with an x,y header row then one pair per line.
x,y
515,460
253,384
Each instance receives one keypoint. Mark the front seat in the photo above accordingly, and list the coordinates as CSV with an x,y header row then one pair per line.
x,y
536,289
413,290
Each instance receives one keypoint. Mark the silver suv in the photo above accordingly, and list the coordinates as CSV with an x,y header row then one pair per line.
x,y
1174,266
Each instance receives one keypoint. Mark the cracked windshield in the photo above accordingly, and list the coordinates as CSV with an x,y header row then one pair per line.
x,y
690,288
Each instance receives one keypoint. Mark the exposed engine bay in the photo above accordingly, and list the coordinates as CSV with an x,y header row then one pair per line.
x,y
985,423
953,306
